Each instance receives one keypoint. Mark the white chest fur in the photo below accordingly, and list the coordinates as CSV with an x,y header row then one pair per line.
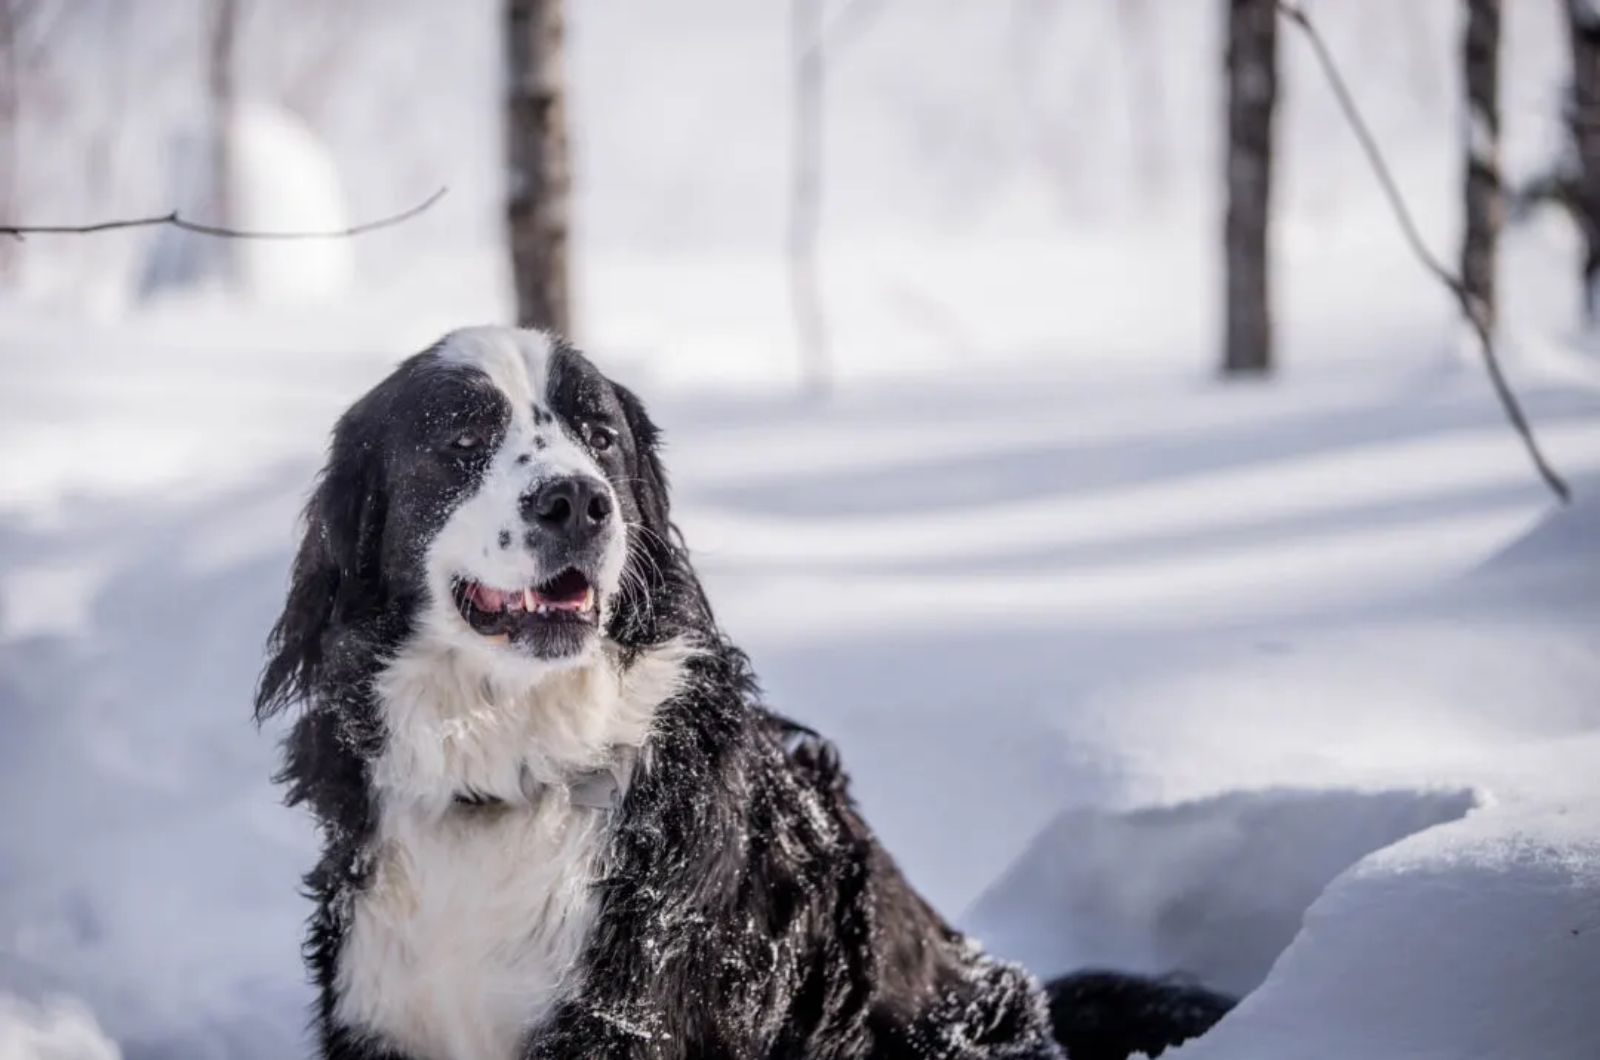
x,y
471,928
473,921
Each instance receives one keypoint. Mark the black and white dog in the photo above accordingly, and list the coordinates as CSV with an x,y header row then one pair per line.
x,y
557,823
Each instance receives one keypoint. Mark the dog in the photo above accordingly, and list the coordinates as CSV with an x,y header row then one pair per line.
x,y
556,819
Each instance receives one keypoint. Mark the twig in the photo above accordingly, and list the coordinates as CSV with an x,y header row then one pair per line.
x,y
1471,308
175,220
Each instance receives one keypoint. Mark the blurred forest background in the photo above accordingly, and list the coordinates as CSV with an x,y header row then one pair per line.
x,y
976,165
1056,408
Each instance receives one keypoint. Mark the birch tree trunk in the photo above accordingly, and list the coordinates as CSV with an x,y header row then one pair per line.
x,y
1480,64
1252,76
539,177
1583,117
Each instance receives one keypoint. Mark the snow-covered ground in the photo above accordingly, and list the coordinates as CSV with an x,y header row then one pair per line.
x,y
1288,686
1181,656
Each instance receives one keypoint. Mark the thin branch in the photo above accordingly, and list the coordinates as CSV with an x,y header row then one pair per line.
x,y
1471,308
175,220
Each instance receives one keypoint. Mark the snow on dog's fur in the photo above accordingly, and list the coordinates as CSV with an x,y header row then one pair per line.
x,y
556,821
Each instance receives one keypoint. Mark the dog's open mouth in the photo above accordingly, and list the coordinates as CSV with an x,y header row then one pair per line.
x,y
564,602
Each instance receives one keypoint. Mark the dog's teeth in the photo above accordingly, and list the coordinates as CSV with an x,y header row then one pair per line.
x,y
544,609
588,600
530,600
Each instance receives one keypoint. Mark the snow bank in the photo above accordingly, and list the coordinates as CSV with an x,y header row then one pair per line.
x,y
1214,888
1211,748
1477,942
1428,931
59,1029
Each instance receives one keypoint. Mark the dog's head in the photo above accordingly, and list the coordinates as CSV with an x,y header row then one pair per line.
x,y
498,494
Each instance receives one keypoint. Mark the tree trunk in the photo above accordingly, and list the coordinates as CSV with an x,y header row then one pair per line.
x,y
1144,91
1480,63
222,96
1252,74
539,178
805,192
1583,116
10,113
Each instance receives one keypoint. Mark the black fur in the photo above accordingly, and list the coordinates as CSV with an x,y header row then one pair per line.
x,y
749,911
1109,1016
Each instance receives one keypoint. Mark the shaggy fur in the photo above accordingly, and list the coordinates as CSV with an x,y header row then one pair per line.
x,y
1109,1016
733,904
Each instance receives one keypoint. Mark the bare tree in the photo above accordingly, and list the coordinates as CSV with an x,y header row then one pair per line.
x,y
1252,76
811,42
222,99
805,191
1144,91
26,28
1583,118
1480,66
10,112
539,176
1572,182
1471,309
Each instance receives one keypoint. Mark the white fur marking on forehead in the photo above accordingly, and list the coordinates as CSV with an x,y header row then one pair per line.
x,y
516,360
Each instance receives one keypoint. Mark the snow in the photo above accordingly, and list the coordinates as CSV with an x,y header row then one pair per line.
x,y
1215,886
1195,717
1289,685
60,1030
1477,941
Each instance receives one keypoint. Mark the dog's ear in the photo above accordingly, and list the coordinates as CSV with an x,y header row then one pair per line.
x,y
664,597
336,568
650,484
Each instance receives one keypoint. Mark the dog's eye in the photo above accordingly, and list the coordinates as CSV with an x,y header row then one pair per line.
x,y
599,436
466,441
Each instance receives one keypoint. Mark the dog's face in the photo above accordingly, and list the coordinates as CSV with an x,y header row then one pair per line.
x,y
506,458
494,493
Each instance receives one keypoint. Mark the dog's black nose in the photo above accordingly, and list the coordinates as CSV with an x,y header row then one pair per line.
x,y
573,508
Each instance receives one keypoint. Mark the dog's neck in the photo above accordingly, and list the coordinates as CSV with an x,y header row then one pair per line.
x,y
455,726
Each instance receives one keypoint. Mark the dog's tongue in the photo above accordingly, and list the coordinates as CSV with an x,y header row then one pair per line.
x,y
567,592
488,599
